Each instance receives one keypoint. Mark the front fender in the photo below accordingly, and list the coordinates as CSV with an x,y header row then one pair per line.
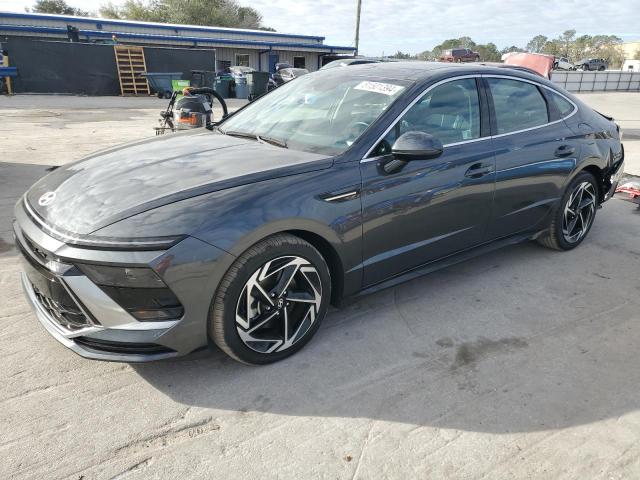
x,y
236,218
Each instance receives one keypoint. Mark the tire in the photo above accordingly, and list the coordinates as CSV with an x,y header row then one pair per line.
x,y
561,235
280,278
458,60
601,69
168,94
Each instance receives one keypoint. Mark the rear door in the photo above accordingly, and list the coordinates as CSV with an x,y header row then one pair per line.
x,y
535,152
429,208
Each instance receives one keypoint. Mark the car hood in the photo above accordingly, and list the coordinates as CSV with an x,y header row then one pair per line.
x,y
112,185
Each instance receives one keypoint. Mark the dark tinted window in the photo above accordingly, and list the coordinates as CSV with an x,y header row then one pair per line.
x,y
518,105
449,112
565,107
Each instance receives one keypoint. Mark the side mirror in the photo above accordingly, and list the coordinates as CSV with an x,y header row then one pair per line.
x,y
416,145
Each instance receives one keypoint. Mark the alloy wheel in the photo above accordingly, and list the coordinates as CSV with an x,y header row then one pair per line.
x,y
278,304
579,212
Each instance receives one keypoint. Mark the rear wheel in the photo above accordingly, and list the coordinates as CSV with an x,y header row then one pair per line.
x,y
271,301
574,217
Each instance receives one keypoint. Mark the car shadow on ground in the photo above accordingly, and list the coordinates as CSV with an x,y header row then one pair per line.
x,y
523,339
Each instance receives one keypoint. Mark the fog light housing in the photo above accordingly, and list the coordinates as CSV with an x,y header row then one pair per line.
x,y
138,290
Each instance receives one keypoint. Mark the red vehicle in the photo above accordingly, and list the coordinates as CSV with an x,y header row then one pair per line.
x,y
459,55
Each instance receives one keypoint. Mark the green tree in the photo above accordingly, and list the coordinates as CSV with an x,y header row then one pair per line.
x,y
567,40
58,7
510,49
403,56
488,52
428,56
536,44
552,47
219,13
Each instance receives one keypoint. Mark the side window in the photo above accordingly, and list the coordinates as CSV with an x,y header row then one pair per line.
x,y
564,106
518,105
449,112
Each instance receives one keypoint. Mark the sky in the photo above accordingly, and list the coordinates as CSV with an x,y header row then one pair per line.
x,y
416,25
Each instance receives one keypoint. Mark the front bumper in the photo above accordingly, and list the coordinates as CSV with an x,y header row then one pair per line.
x,y
82,317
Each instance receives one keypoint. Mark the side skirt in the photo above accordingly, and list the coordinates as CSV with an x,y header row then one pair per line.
x,y
450,260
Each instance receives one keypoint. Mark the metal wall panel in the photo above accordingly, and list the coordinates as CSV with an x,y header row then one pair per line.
x,y
607,81
105,25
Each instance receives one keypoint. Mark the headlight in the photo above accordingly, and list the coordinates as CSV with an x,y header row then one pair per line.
x,y
139,290
122,276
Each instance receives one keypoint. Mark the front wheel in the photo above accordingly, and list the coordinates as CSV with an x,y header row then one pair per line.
x,y
271,301
574,217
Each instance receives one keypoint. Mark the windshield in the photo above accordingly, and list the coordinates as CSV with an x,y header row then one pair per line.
x,y
323,112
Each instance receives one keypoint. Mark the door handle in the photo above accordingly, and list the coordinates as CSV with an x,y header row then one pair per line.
x,y
478,170
565,151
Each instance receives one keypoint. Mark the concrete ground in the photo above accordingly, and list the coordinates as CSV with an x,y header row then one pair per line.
x,y
519,364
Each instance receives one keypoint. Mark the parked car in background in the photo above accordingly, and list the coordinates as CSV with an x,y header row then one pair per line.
x,y
285,75
345,181
344,62
589,64
459,55
563,63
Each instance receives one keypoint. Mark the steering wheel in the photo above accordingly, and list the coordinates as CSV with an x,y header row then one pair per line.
x,y
356,129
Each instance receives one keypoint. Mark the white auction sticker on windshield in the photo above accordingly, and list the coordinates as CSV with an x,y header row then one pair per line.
x,y
379,87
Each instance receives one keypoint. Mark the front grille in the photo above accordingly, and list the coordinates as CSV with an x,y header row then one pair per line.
x,y
48,289
64,311
122,347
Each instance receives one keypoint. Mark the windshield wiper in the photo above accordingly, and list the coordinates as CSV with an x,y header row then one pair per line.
x,y
270,140
273,141
233,133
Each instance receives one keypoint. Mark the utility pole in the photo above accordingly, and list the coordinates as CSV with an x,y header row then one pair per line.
x,y
358,25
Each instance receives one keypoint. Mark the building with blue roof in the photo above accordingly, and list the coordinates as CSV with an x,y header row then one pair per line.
x,y
258,49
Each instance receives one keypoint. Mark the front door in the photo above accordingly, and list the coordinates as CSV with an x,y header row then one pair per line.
x,y
428,208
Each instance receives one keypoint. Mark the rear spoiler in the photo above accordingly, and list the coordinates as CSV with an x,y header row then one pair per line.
x,y
605,116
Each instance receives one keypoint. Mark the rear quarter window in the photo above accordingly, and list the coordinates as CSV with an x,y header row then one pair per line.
x,y
564,106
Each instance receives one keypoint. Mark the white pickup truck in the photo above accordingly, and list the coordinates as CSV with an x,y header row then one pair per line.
x,y
563,63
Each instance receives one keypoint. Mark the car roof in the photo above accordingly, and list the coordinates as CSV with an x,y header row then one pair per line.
x,y
419,71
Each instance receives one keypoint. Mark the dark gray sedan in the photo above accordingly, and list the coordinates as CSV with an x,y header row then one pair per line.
x,y
344,182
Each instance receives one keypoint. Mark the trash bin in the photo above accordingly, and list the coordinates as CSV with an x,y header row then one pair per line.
x,y
202,78
221,86
257,83
242,89
161,82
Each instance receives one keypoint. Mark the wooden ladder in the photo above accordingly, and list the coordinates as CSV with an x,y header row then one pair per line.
x,y
131,63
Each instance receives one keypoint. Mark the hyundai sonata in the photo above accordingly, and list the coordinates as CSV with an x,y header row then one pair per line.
x,y
341,182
